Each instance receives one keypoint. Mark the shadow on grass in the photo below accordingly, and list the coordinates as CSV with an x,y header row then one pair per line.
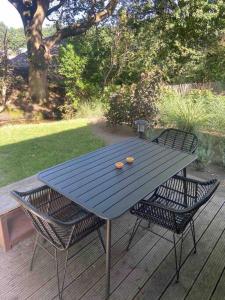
x,y
22,159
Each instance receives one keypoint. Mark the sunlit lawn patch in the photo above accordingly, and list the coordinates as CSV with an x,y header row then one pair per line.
x,y
28,148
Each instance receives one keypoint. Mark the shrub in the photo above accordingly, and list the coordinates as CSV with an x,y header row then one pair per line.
x,y
137,101
67,110
71,67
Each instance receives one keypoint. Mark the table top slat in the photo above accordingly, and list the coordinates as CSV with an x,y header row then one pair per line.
x,y
93,182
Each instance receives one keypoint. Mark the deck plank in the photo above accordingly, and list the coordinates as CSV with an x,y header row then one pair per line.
x,y
204,285
165,274
219,289
125,265
194,264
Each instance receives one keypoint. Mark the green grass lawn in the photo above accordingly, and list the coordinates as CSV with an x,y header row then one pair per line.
x,y
28,148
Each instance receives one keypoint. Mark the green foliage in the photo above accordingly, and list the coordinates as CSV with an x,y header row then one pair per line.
x,y
71,67
95,48
48,30
137,101
215,60
183,38
16,37
188,30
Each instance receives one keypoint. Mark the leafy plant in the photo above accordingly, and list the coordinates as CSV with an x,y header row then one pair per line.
x,y
71,67
137,101
67,110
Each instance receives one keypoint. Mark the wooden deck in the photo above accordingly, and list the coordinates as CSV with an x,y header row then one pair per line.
x,y
146,271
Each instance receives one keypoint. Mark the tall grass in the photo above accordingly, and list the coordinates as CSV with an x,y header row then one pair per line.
x,y
90,110
217,108
199,109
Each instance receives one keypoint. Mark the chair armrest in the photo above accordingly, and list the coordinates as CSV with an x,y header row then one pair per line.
x,y
215,183
50,219
27,193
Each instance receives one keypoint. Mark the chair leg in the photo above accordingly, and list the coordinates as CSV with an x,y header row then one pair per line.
x,y
135,228
101,239
178,263
34,251
57,273
192,224
64,273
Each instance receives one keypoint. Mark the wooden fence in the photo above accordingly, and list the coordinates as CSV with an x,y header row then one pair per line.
x,y
217,87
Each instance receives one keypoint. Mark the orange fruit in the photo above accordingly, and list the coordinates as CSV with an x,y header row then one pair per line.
x,y
130,159
119,165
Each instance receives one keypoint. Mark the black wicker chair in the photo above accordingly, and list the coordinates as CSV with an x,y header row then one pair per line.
x,y
173,206
59,221
178,139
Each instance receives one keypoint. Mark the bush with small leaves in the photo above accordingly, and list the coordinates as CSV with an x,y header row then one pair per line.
x,y
137,101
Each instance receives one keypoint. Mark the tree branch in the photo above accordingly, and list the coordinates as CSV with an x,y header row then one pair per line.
x,y
17,4
79,28
55,8
26,11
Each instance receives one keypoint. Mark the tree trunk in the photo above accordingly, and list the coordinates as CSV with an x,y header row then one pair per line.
x,y
38,82
38,56
38,53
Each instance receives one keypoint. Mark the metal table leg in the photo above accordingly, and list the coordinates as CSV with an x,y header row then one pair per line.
x,y
185,187
108,259
185,172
